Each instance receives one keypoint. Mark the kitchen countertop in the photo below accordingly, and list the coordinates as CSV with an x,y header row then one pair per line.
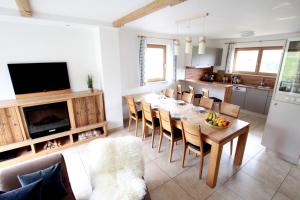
x,y
226,85
213,84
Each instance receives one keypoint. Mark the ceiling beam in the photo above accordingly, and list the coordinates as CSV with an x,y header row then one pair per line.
x,y
146,10
24,8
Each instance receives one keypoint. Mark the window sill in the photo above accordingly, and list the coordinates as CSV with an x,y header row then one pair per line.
x,y
156,82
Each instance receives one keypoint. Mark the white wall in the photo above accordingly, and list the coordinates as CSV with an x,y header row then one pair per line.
x,y
111,76
129,59
22,42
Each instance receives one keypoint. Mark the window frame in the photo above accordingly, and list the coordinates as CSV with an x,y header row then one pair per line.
x,y
258,61
164,47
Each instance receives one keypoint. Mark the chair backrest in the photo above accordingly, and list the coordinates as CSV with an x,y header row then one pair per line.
x,y
131,106
179,91
147,112
230,109
205,93
206,102
169,92
192,134
165,121
192,90
187,97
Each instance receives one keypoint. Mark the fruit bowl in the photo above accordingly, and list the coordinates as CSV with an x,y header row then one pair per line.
x,y
213,120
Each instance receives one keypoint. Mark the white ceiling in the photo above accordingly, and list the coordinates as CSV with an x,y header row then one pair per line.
x,y
226,20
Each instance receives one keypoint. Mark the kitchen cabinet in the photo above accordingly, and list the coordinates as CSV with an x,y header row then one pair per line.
x,y
212,57
268,103
238,96
256,100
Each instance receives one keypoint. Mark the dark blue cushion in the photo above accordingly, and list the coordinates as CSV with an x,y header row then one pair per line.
x,y
29,192
52,187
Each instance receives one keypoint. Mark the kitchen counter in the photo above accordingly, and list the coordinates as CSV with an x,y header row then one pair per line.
x,y
225,85
213,84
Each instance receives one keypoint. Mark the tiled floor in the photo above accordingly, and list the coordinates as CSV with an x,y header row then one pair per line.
x,y
261,176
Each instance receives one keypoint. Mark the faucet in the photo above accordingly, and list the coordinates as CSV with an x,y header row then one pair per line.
x,y
262,83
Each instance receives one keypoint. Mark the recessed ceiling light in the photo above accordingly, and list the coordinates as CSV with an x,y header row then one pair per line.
x,y
68,25
247,33
281,5
286,18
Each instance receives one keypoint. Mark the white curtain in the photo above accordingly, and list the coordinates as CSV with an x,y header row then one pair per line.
x,y
230,52
142,50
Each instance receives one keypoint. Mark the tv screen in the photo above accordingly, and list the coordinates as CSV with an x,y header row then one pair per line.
x,y
39,77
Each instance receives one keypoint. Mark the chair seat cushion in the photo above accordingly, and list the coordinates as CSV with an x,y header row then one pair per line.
x,y
206,147
140,114
156,122
198,96
215,99
177,133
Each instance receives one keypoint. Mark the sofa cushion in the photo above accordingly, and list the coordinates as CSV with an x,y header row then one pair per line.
x,y
9,179
31,191
52,181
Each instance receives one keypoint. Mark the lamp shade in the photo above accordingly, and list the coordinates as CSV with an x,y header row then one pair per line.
x,y
201,45
176,47
188,45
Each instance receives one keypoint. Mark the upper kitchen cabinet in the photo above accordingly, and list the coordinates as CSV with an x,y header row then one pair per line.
x,y
212,57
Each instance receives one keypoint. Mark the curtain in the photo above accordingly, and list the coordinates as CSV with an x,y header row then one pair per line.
x,y
229,55
142,50
175,68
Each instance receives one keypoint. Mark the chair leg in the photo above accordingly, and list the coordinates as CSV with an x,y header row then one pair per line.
x,y
171,151
129,125
153,134
231,146
136,127
201,167
183,156
144,131
160,141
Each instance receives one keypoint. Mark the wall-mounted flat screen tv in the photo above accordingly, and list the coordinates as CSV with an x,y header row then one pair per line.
x,y
39,77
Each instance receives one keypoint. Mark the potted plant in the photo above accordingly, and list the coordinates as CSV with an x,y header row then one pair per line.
x,y
90,83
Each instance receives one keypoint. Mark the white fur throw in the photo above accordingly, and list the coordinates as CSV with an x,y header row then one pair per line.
x,y
117,168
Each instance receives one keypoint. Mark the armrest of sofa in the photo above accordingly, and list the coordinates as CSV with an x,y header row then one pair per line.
x,y
9,180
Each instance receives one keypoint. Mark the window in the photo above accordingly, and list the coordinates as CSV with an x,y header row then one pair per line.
x,y
155,63
258,60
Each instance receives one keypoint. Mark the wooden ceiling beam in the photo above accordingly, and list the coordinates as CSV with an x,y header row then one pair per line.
x,y
146,10
24,8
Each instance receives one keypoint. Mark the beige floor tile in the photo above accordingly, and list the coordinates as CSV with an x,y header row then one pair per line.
x,y
169,190
190,182
291,185
154,176
265,173
175,167
249,188
280,196
224,193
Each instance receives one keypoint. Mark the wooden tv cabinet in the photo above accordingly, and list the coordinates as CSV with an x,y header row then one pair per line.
x,y
86,113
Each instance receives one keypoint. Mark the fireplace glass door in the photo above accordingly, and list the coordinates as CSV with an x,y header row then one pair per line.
x,y
47,119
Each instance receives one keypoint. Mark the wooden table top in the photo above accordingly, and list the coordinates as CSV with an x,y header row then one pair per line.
x,y
189,112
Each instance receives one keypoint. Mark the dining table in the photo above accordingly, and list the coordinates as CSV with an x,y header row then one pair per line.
x,y
215,136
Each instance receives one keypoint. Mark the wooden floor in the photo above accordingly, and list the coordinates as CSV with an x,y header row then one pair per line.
x,y
261,176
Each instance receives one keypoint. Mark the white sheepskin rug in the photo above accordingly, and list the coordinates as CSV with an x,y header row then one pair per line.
x,y
117,168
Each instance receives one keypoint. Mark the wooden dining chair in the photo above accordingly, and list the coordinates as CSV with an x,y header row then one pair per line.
x,y
232,111
179,91
169,92
192,140
167,130
134,114
149,121
206,103
205,93
187,97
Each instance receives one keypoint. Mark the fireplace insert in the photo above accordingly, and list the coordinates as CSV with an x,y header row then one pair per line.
x,y
43,120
